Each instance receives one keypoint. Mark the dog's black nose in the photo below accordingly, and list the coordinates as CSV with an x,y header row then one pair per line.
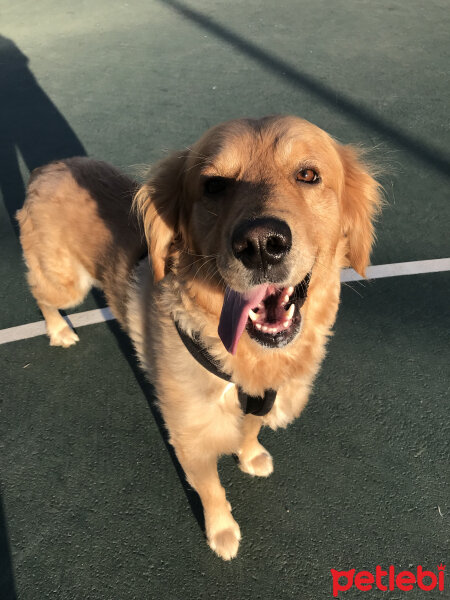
x,y
260,242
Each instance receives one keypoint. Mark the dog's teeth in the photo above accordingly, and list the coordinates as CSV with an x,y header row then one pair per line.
x,y
286,298
258,325
273,330
290,312
253,316
264,328
290,290
285,324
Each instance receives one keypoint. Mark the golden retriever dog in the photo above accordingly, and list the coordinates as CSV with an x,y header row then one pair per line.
x,y
246,233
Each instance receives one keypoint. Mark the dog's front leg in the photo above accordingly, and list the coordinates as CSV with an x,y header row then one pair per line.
x,y
200,467
204,421
253,457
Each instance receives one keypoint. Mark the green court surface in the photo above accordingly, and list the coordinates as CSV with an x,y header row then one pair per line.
x,y
93,504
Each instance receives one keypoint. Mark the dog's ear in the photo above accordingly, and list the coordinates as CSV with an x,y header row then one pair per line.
x,y
159,202
361,202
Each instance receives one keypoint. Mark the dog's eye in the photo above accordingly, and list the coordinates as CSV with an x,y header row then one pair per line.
x,y
215,185
307,176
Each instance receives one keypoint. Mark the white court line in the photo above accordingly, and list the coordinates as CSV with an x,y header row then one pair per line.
x,y
415,267
100,315
22,332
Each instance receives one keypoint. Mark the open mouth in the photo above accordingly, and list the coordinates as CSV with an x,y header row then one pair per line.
x,y
269,313
277,319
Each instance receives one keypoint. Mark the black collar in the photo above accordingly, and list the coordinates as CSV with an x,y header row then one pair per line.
x,y
255,405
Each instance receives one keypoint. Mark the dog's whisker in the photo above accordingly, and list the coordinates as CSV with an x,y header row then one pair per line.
x,y
191,264
195,152
185,251
185,269
201,267
347,285
202,162
213,273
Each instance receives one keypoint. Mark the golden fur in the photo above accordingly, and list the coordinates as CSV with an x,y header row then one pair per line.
x,y
77,231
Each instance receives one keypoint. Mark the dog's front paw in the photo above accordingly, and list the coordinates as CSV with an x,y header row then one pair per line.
x,y
226,543
64,337
224,536
257,463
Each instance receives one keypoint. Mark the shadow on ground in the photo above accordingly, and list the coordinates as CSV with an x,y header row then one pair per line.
x,y
30,124
325,94
7,585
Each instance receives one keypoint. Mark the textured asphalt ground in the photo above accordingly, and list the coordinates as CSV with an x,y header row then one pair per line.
x,y
92,504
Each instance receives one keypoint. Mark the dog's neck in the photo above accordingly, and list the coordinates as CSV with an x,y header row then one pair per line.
x,y
255,405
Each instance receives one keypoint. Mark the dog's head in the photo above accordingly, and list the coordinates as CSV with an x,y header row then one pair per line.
x,y
251,208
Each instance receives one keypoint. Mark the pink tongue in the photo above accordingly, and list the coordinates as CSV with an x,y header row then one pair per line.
x,y
234,315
